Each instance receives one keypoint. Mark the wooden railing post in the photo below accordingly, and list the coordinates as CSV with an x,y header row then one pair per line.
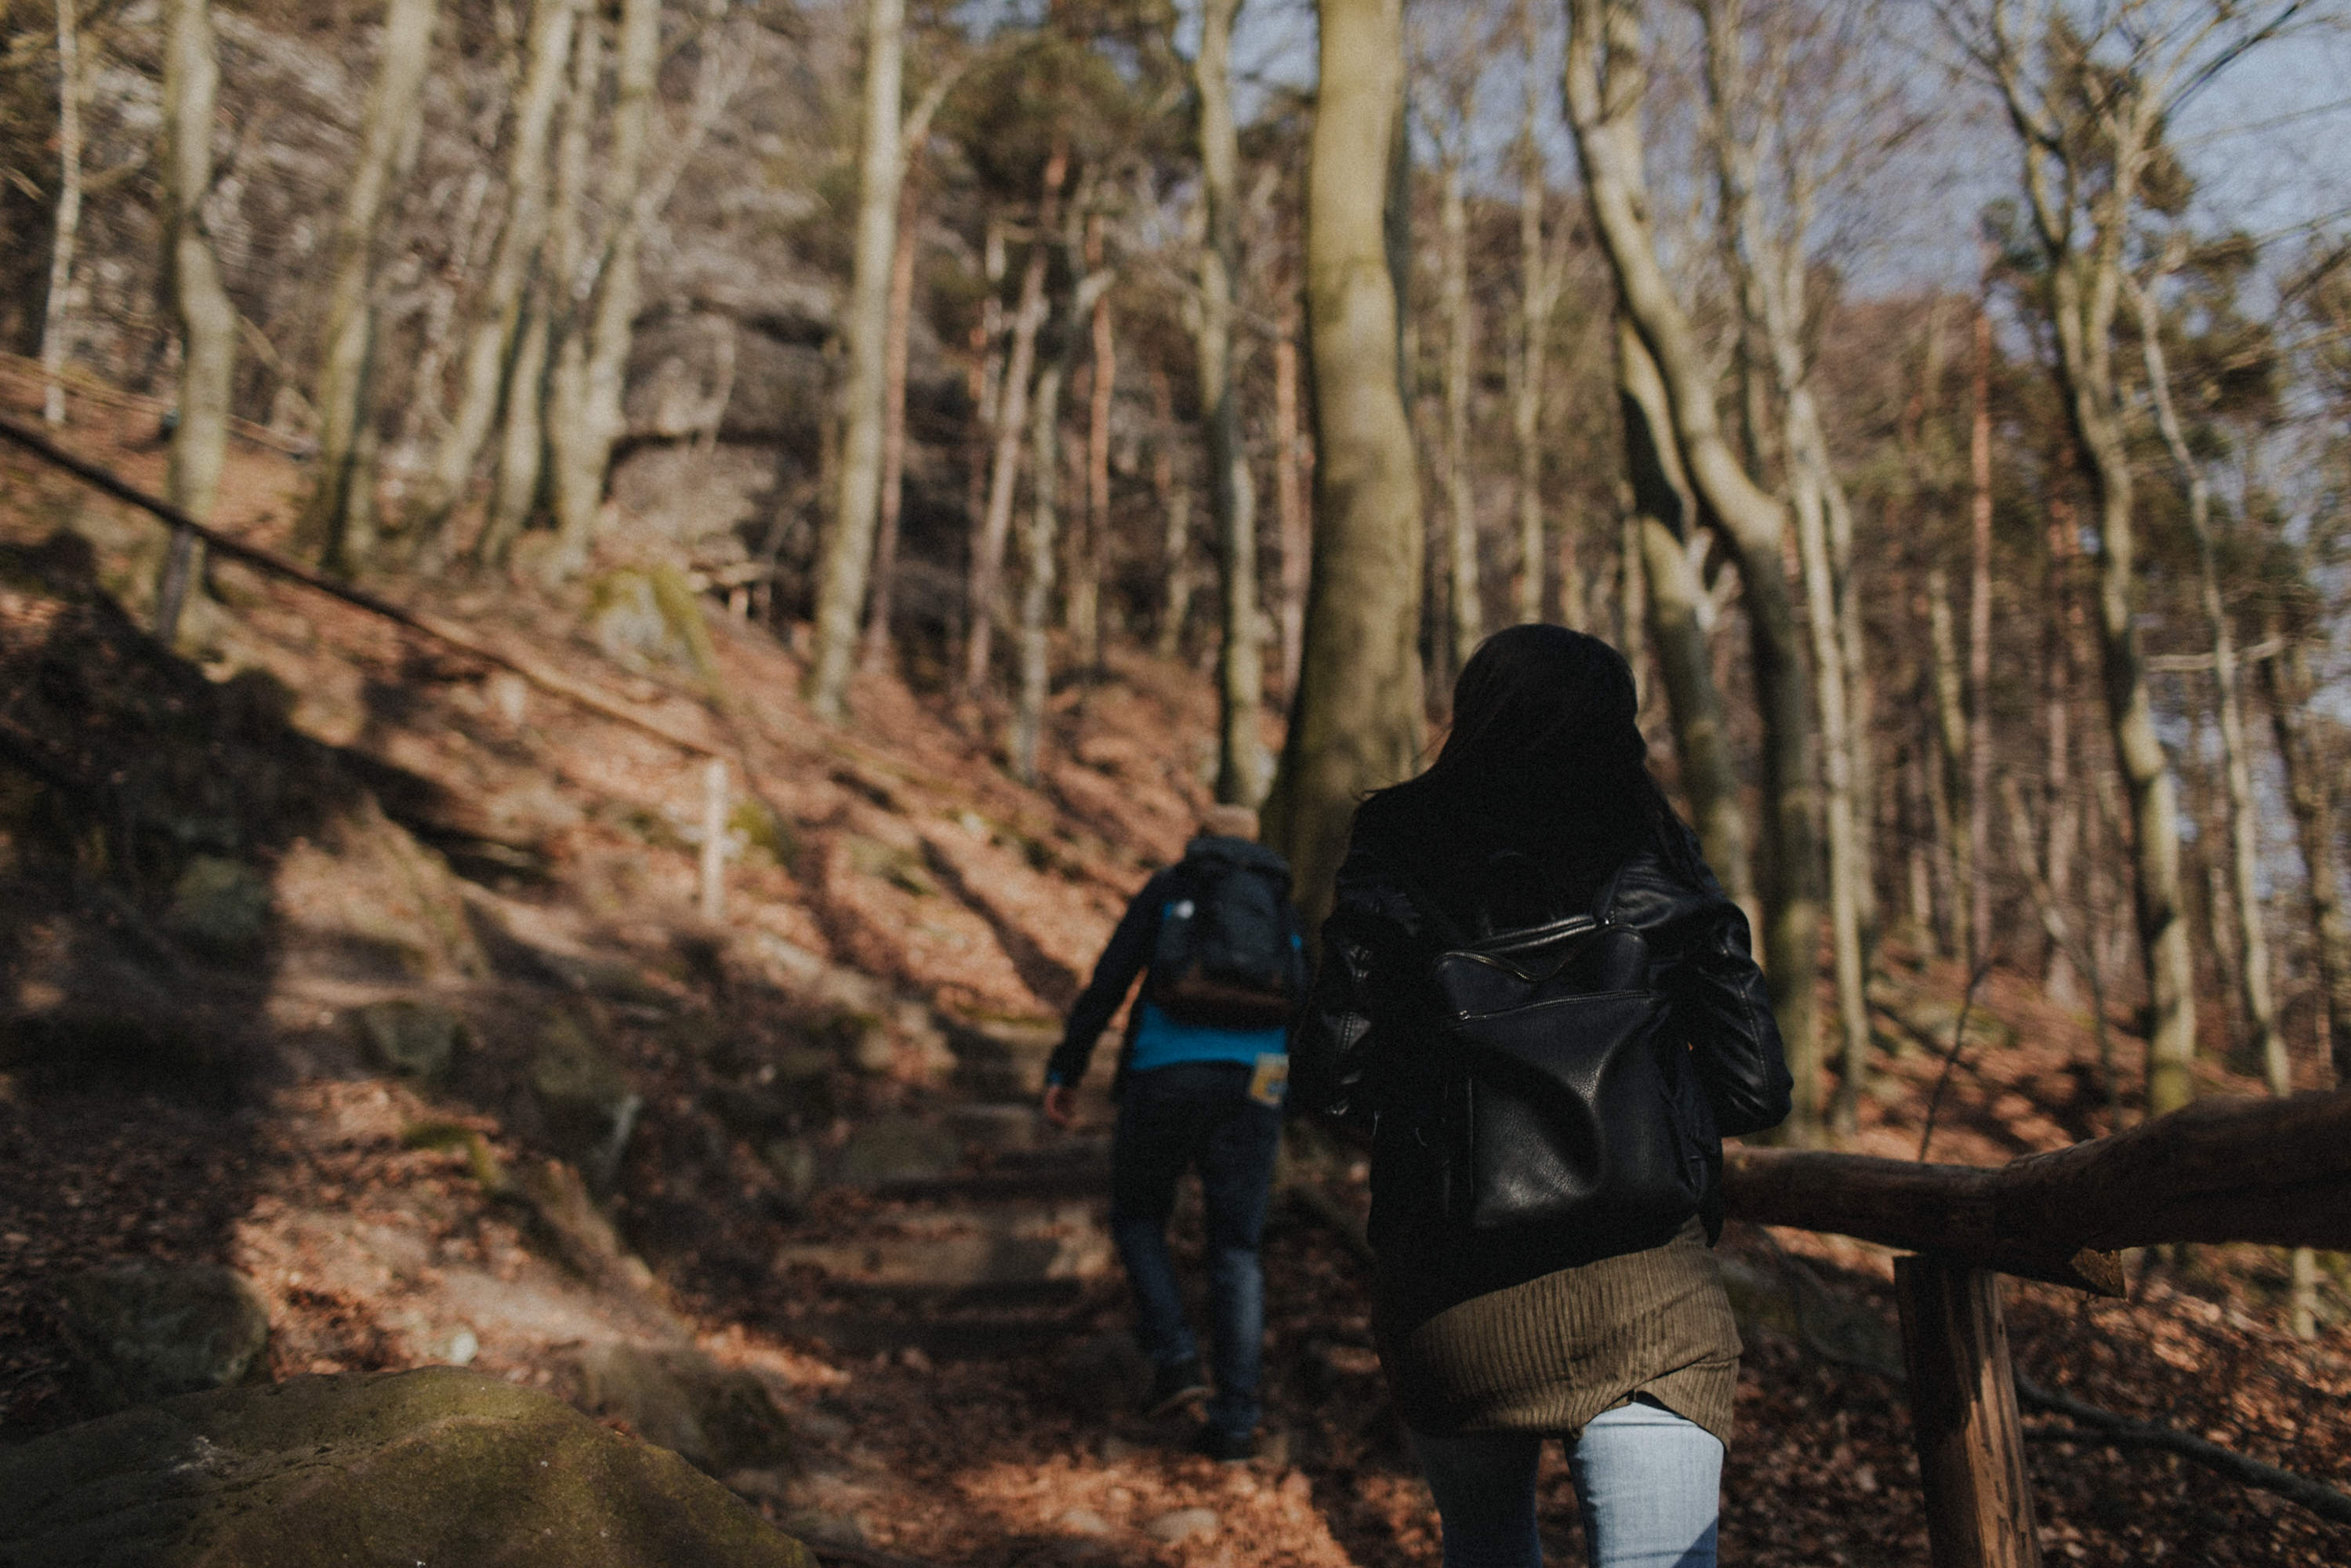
x,y
1963,1415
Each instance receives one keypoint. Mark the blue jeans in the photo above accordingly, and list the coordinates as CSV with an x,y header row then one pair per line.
x,y
1170,1119
1648,1484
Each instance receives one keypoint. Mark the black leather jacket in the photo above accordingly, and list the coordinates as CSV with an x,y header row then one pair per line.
x,y
1358,1058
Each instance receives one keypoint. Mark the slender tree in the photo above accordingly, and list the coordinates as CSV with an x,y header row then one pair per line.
x,y
498,316
985,584
347,343
849,543
206,317
1232,491
590,372
2088,98
1541,275
65,230
1357,723
1606,82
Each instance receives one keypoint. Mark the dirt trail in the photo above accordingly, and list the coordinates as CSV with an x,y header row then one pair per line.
x,y
796,1145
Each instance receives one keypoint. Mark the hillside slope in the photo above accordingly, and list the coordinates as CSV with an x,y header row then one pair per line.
x,y
379,974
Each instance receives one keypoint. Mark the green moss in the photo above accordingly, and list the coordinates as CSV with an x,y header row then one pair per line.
x,y
481,1161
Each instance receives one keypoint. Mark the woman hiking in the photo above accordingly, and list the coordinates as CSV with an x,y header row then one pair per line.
x,y
1538,999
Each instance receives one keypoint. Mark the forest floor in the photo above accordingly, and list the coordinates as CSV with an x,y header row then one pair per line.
x,y
825,1161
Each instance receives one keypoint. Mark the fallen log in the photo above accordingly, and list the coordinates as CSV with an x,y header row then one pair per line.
x,y
2274,1171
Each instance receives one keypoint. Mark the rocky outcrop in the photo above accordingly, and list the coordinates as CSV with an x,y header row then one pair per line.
x,y
143,1331
434,1465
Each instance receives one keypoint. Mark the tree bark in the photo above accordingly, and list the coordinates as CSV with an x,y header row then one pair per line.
x,y
2245,821
1979,642
1232,491
1290,506
1084,593
984,587
1358,724
849,543
208,320
65,230
497,315
346,361
1463,598
1176,506
1665,509
1539,286
876,655
581,449
1603,112
2286,677
1957,853
1036,589
2083,166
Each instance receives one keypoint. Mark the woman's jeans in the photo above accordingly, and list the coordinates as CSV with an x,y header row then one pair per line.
x,y
1169,1118
1649,1482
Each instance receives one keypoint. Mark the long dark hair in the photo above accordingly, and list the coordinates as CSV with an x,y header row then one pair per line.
x,y
1545,753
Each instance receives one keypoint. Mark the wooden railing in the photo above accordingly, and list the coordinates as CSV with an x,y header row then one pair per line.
x,y
2271,1170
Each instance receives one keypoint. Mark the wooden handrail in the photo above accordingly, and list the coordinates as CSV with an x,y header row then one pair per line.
x,y
2276,1171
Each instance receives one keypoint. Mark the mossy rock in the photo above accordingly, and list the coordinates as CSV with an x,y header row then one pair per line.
x,y
584,1096
717,1420
220,906
415,1039
434,1465
143,1331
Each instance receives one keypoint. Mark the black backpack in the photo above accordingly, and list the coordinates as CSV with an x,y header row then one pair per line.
x,y
1228,956
1563,1112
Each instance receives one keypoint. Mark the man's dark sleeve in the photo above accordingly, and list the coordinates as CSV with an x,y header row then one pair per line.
x,y
1115,972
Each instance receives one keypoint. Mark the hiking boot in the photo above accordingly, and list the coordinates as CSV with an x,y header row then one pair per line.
x,y
1224,1445
1173,1385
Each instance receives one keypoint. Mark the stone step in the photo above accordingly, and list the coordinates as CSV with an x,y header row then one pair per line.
x,y
964,1247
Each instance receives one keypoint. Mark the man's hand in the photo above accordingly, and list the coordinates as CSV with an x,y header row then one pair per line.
x,y
1062,1105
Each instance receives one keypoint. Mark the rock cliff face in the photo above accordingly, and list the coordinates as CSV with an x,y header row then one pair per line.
x,y
432,1466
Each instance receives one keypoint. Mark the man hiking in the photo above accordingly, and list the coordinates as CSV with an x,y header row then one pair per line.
x,y
1199,1085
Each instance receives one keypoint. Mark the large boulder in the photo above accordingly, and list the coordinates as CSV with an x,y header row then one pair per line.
x,y
434,1466
145,1332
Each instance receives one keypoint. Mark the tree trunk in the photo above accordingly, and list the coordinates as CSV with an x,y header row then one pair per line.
x,y
1232,492
346,361
1979,643
207,318
2244,821
1176,506
1037,591
1957,852
2061,828
65,232
1605,114
1666,509
1539,285
876,655
2309,795
1085,586
1463,596
581,449
497,315
849,543
1357,723
1290,506
1012,414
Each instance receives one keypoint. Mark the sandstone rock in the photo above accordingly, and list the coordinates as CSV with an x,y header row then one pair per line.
x,y
585,1097
794,1163
434,1465
413,1038
1182,1525
895,1148
717,1420
221,906
1085,1521
148,1331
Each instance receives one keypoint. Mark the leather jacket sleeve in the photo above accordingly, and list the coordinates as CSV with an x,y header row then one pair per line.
x,y
1699,942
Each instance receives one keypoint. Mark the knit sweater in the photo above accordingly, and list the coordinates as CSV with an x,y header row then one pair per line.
x,y
1548,1354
